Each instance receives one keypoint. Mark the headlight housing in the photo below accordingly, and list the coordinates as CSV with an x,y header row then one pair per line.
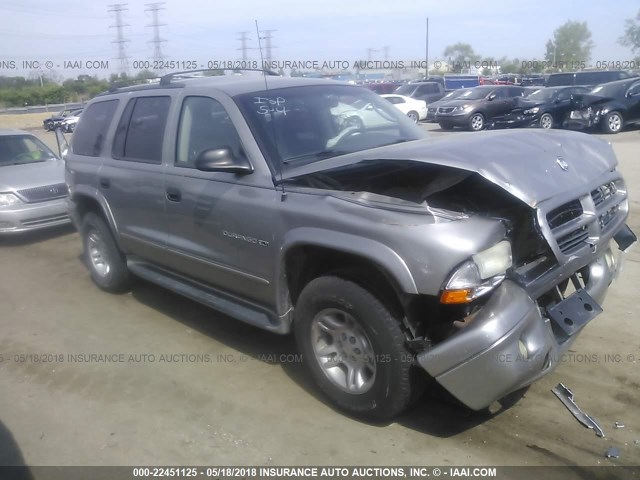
x,y
479,275
8,199
531,111
463,108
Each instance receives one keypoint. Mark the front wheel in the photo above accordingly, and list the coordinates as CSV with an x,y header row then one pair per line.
x,y
612,122
354,348
476,122
105,261
546,121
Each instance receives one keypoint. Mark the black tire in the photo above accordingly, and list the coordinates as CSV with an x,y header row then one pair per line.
x,y
445,126
116,278
612,122
477,122
546,121
390,390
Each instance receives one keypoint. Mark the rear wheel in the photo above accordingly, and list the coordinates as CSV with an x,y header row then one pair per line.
x,y
546,121
354,348
105,261
612,122
413,116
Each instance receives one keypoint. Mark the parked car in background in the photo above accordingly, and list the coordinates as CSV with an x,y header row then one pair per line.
x,y
533,80
511,79
56,119
476,108
32,184
416,110
69,123
384,87
432,108
545,108
427,91
359,114
589,78
610,107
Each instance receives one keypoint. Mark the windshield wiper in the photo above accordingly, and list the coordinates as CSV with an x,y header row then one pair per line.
x,y
316,156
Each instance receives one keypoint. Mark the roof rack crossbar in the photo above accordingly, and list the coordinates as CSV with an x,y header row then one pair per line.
x,y
130,83
166,79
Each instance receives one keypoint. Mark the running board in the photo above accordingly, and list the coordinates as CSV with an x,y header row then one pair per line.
x,y
234,307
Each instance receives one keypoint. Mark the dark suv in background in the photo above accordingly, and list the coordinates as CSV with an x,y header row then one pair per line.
x,y
427,91
588,78
477,107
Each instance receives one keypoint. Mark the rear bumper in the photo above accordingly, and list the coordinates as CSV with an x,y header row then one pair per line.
x,y
33,216
509,344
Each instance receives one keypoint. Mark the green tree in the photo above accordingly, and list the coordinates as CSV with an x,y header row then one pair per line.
x,y
631,37
460,56
570,45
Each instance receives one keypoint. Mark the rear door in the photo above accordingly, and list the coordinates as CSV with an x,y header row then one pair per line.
x,y
132,176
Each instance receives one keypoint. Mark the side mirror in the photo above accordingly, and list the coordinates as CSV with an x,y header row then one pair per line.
x,y
222,160
491,97
63,145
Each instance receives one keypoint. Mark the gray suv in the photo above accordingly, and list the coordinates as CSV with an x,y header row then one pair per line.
x,y
390,257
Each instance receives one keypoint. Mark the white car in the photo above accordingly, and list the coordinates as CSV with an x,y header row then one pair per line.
x,y
69,124
416,110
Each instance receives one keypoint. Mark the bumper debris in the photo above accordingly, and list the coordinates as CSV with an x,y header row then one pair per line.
x,y
566,397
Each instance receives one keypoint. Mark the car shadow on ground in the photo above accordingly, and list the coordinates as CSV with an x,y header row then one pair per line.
x,y
435,413
36,236
11,456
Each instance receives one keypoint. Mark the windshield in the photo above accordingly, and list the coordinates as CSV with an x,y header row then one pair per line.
x,y
20,149
475,93
301,125
405,90
454,94
544,94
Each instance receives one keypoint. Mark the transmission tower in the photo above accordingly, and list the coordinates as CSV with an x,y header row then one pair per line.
x,y
155,8
268,46
118,9
243,45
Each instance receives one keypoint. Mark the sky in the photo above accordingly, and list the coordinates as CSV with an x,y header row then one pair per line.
x,y
205,30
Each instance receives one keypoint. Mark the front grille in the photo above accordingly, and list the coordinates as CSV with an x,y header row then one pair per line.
x,y
583,221
573,240
445,109
564,214
43,194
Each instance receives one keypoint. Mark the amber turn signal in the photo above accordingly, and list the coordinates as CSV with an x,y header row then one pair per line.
x,y
456,296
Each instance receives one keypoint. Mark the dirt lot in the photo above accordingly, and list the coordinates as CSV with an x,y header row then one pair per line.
x,y
232,395
27,120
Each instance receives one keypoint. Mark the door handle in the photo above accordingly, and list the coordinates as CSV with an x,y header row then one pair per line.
x,y
105,182
173,194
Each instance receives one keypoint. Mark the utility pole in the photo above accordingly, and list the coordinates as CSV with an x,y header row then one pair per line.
x,y
426,68
118,9
155,8
243,45
268,46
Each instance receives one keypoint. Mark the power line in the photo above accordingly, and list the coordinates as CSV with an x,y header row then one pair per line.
x,y
118,9
155,8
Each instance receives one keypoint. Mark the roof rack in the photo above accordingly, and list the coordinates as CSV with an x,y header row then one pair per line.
x,y
166,79
132,82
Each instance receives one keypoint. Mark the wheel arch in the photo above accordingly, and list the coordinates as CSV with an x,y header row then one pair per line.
x,y
86,200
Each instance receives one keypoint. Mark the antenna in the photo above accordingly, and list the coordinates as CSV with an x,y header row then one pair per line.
x,y
273,126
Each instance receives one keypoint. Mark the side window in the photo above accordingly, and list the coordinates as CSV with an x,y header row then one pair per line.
x,y
634,90
88,137
500,93
204,124
515,92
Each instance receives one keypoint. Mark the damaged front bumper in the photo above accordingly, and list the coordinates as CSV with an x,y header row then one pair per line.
x,y
511,342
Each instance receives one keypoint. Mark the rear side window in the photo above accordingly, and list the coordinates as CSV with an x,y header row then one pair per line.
x,y
560,80
140,133
88,138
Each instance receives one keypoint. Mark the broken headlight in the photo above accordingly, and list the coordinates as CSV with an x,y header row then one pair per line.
x,y
479,275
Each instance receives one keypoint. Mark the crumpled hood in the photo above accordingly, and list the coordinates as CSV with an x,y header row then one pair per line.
x,y
525,163
585,100
29,175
